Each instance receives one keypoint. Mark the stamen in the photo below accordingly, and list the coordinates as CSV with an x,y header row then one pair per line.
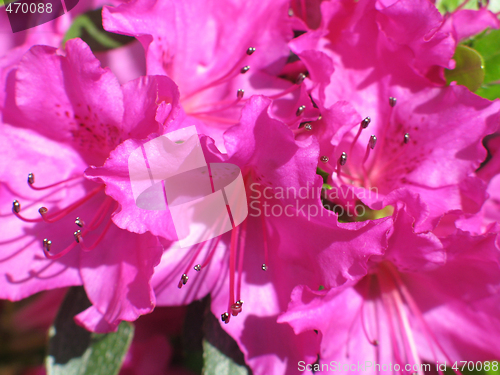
x,y
371,145
300,110
308,127
60,214
325,159
31,181
225,317
239,95
342,160
212,252
266,250
236,308
232,266
46,249
292,88
373,342
46,244
233,72
197,268
406,139
241,254
79,222
99,215
363,125
300,78
78,236
98,240
372,142
392,101
416,312
16,209
197,251
184,279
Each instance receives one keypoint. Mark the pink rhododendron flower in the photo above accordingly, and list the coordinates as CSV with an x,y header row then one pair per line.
x,y
63,114
387,59
282,243
14,45
216,52
360,262
418,137
408,317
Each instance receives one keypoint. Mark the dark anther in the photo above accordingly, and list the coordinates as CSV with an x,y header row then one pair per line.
x,y
16,207
365,122
343,159
407,138
300,78
300,110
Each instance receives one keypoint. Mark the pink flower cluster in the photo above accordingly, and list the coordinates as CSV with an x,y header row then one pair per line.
x,y
324,106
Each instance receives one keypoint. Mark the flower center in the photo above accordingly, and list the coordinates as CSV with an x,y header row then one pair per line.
x,y
213,111
385,295
236,257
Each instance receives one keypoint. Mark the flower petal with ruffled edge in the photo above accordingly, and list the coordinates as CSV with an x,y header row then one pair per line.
x,y
80,120
360,324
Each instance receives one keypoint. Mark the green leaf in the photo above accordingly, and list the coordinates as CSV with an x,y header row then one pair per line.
x,y
469,69
487,44
445,6
88,27
490,92
221,354
72,350
217,363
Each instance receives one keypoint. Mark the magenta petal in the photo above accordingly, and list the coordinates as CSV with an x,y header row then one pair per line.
x,y
335,315
178,39
415,24
117,282
24,269
142,98
412,251
93,320
115,174
67,98
467,22
254,143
